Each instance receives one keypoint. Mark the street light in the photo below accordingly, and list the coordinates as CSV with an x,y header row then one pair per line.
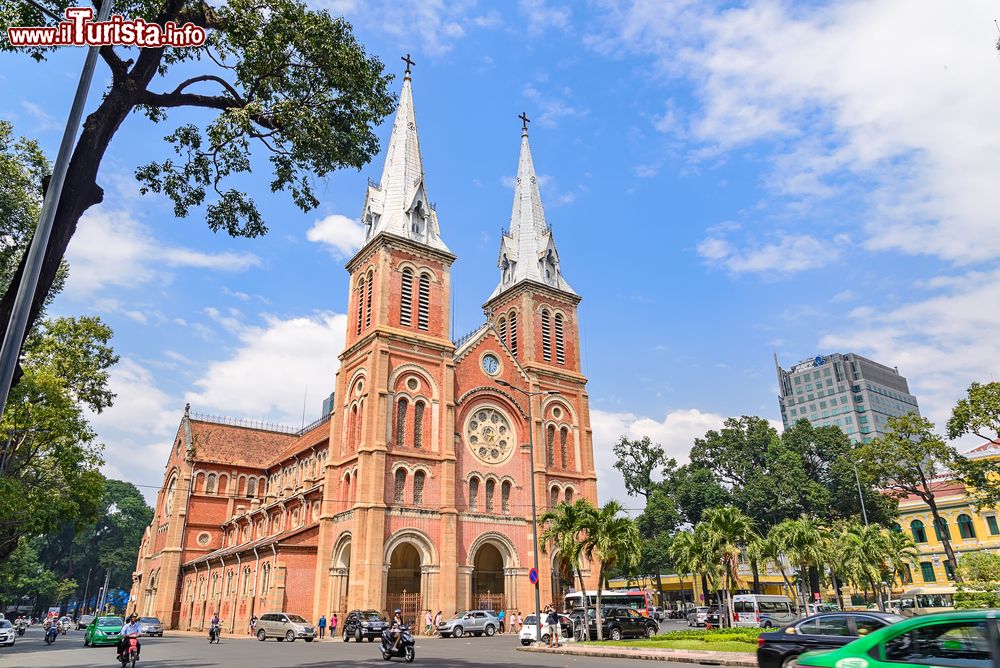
x,y
534,506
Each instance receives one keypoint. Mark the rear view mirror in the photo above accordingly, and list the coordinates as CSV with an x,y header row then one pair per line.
x,y
791,629
863,632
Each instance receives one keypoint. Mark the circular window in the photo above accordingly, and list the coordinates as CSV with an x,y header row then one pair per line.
x,y
412,384
359,387
556,412
489,435
204,537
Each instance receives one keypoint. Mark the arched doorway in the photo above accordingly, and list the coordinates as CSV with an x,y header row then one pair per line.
x,y
562,580
340,574
402,585
488,579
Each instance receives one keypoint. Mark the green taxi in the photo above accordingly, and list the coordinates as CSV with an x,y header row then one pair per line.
x,y
103,631
960,639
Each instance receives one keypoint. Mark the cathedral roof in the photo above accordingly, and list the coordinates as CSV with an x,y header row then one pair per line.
x,y
528,249
398,204
236,445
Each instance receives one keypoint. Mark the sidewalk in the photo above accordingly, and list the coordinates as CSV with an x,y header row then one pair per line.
x,y
650,654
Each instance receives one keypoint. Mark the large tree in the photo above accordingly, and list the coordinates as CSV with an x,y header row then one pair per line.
x,y
978,414
640,462
610,539
905,461
290,83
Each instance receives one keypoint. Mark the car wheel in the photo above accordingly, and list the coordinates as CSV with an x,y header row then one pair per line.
x,y
86,643
616,634
490,630
357,635
457,632
767,625
370,639
525,643
261,635
290,636
545,638
347,637
650,632
790,661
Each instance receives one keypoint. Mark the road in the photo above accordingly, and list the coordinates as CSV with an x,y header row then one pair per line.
x,y
31,651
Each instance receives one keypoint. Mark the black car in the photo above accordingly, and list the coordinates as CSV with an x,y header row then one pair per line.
x,y
360,624
618,623
780,649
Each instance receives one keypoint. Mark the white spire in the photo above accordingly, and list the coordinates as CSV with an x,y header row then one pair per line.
x,y
398,205
528,250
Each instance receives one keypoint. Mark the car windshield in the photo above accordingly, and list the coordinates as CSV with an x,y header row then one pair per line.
x,y
297,619
530,619
462,614
372,616
109,621
149,620
4,624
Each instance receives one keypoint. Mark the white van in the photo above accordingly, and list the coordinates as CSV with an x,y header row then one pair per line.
x,y
763,611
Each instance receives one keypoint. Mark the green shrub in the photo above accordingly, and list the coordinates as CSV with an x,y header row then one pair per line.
x,y
977,599
739,634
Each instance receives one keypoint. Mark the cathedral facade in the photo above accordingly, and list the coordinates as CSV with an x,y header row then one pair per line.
x,y
415,489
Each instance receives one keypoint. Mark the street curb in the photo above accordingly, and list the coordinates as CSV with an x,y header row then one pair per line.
x,y
646,654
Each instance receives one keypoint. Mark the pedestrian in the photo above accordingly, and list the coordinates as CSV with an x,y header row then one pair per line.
x,y
322,626
253,624
428,624
500,618
438,618
333,625
552,621
520,620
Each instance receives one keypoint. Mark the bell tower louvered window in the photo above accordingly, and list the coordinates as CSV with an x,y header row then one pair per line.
x,y
418,424
502,326
546,336
406,299
513,334
424,303
368,301
361,303
560,348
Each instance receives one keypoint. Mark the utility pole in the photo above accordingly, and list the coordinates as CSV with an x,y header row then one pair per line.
x,y
86,590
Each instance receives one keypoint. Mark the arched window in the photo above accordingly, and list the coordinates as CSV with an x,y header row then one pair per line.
x,y
502,326
560,348
361,303
505,498
941,527
563,435
368,301
513,334
210,484
965,528
474,493
424,302
168,506
266,579
406,298
550,437
546,336
347,488
895,527
569,495
490,488
553,497
418,488
400,489
917,529
418,424
251,487
246,580
401,421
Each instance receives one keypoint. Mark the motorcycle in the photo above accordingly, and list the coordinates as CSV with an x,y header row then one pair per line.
x,y
20,629
131,653
405,649
50,634
215,634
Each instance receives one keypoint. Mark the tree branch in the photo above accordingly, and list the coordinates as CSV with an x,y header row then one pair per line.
x,y
210,77
119,69
175,99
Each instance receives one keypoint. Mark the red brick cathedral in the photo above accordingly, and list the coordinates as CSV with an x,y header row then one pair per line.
x,y
414,491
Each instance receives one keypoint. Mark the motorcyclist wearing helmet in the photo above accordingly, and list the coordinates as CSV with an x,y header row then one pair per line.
x,y
397,630
131,628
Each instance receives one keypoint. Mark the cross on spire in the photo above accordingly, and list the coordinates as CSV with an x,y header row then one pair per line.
x,y
409,63
524,121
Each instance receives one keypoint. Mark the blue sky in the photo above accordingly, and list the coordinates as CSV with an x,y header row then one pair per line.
x,y
725,181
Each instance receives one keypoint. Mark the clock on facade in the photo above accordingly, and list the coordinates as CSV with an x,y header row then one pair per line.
x,y
491,364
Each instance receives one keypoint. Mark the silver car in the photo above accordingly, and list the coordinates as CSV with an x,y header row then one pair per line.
x,y
476,622
151,626
7,633
284,626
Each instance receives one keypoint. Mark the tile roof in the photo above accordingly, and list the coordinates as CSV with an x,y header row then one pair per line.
x,y
237,445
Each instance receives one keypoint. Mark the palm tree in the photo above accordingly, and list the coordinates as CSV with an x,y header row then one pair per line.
x,y
614,541
728,531
563,525
803,542
769,550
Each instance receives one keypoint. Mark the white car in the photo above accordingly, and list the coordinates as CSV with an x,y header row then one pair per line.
x,y
7,633
529,630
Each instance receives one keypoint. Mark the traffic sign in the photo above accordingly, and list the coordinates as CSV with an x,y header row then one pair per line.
x,y
533,576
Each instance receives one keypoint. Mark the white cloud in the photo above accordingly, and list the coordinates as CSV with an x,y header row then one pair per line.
x,y
675,432
890,96
789,253
552,108
646,171
111,248
542,16
940,343
274,364
342,235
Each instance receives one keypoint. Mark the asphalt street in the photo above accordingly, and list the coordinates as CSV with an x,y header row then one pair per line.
x,y
67,651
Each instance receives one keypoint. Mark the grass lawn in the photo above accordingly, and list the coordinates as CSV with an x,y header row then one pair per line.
x,y
712,645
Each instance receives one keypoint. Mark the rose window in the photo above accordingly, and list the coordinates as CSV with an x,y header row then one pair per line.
x,y
489,435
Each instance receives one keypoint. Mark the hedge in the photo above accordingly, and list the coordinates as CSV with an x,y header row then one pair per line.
x,y
977,599
740,634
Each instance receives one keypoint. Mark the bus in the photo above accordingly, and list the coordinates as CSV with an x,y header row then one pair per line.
x,y
636,599
925,600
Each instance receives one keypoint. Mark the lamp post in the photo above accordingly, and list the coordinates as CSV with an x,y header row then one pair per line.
x,y
534,505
